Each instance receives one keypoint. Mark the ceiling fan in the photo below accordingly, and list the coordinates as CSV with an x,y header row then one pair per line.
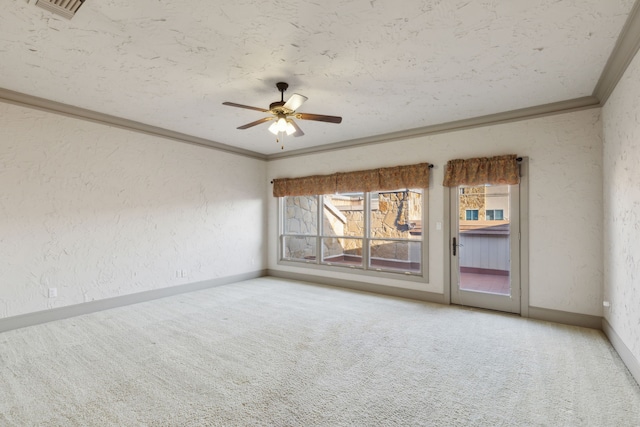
x,y
284,112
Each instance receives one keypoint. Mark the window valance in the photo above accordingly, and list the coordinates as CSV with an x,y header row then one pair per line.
x,y
482,170
412,176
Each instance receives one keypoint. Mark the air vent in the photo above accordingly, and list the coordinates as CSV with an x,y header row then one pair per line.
x,y
66,8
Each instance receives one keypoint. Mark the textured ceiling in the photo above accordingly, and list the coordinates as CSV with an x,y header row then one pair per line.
x,y
384,66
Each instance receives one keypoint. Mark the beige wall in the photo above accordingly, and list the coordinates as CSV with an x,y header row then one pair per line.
x,y
621,118
565,183
98,212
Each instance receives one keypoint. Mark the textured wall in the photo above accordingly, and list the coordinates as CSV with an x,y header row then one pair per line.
x,y
565,185
98,212
621,124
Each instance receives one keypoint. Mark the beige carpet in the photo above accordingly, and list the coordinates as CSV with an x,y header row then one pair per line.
x,y
268,352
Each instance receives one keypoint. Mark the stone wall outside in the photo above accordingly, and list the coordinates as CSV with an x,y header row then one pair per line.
x,y
472,198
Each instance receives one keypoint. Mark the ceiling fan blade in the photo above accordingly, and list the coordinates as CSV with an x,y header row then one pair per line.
x,y
319,117
257,122
298,131
295,102
233,104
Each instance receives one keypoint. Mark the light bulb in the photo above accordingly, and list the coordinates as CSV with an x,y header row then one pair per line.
x,y
282,124
290,128
274,128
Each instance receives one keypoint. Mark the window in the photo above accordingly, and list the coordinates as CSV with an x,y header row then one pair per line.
x,y
301,227
367,231
471,214
494,214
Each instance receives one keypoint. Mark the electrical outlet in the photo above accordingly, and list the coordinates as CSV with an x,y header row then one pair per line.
x,y
53,292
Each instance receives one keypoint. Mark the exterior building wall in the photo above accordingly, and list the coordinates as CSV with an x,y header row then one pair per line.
x,y
497,197
472,198
483,198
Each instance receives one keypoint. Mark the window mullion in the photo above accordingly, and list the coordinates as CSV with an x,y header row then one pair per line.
x,y
367,231
281,218
319,228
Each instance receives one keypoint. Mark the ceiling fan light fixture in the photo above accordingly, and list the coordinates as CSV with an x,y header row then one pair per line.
x,y
282,124
290,128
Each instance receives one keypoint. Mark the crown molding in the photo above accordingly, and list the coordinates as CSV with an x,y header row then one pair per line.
x,y
29,101
576,104
623,53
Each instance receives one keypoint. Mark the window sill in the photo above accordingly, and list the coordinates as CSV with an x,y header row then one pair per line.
x,y
407,276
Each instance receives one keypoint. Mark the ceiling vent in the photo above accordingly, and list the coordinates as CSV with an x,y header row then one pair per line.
x,y
66,8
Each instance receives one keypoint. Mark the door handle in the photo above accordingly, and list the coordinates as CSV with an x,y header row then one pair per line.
x,y
456,245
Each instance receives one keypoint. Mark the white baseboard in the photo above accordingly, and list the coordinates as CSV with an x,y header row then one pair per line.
x,y
360,286
565,317
625,354
59,313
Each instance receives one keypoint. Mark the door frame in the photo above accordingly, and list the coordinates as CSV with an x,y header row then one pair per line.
x,y
524,240
479,299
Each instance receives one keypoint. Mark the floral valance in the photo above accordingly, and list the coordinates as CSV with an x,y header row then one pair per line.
x,y
482,170
412,176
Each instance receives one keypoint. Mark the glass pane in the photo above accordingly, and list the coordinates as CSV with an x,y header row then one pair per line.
x,y
396,255
343,215
494,214
484,247
397,214
342,251
299,248
301,215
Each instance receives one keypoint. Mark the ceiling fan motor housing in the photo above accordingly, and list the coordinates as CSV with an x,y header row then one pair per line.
x,y
277,106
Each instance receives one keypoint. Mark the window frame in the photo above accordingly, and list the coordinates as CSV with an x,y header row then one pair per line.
x,y
468,211
365,269
493,214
